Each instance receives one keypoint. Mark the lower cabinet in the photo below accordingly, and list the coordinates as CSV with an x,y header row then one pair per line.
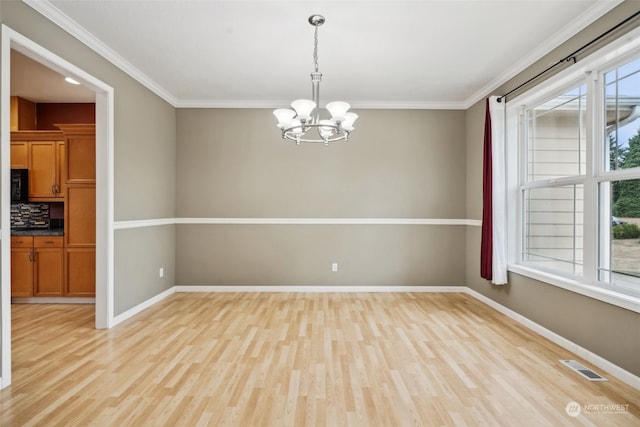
x,y
22,266
37,266
48,278
81,272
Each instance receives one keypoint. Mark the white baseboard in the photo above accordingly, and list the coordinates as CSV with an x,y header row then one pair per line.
x,y
142,306
602,363
53,300
316,289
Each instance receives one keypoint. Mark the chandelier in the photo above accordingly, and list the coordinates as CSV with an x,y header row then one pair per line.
x,y
303,123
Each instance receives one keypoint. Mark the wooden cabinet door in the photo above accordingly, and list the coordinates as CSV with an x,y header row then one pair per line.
x,y
80,215
80,265
42,170
49,273
21,272
80,153
20,155
62,169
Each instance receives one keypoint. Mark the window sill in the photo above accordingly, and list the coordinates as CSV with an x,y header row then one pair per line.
x,y
611,297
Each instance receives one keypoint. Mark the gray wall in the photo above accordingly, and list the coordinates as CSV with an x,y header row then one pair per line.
x,y
144,160
233,164
609,331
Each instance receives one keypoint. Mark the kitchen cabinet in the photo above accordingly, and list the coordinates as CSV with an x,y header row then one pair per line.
x,y
80,143
37,266
80,209
21,266
45,158
48,280
80,215
23,114
80,264
46,169
19,155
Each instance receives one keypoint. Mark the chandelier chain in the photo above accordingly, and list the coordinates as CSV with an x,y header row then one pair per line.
x,y
315,49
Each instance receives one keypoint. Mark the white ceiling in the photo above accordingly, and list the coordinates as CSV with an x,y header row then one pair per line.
x,y
37,83
377,54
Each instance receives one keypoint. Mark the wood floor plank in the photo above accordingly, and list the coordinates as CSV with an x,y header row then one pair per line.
x,y
285,359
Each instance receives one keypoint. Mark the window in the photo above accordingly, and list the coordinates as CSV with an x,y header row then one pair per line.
x,y
577,185
553,189
619,194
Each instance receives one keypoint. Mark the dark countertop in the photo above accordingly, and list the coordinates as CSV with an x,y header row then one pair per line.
x,y
38,232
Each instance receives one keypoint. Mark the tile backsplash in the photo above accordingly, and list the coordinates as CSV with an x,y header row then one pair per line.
x,y
30,215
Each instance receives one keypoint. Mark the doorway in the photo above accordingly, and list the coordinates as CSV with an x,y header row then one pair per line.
x,y
104,185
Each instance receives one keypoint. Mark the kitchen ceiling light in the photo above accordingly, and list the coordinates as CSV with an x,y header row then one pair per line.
x,y
71,80
303,123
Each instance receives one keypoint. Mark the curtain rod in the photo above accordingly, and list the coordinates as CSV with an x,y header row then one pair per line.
x,y
570,57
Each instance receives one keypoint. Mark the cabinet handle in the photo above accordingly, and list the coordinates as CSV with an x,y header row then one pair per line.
x,y
31,257
53,189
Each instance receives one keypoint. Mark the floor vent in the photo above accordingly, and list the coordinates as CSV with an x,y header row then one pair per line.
x,y
583,370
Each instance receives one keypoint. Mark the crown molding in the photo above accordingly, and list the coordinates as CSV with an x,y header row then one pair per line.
x,y
571,29
361,105
52,13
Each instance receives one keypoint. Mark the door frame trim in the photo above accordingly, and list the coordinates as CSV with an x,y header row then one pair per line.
x,y
104,301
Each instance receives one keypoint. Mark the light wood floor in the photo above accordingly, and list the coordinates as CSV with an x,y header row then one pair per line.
x,y
278,359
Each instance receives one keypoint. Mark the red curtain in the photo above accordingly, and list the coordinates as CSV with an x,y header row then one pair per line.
x,y
486,245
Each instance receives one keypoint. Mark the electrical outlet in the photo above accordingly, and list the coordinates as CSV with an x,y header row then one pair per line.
x,y
161,272
334,267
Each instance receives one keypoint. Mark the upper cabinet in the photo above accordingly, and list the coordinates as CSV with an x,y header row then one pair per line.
x,y
44,155
45,173
23,114
80,147
19,155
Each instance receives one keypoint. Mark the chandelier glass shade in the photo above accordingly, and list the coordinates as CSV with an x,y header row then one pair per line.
x,y
302,123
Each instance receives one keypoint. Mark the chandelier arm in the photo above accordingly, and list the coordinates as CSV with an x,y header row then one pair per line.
x,y
344,137
338,135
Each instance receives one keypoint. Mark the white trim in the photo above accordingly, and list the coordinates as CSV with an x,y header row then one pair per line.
x,y
572,28
5,221
53,300
122,225
142,306
104,183
362,105
105,202
596,292
602,363
330,221
318,289
53,14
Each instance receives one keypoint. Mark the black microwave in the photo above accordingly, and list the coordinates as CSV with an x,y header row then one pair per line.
x,y
19,185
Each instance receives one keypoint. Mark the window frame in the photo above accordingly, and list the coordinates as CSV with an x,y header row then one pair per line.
x,y
589,71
